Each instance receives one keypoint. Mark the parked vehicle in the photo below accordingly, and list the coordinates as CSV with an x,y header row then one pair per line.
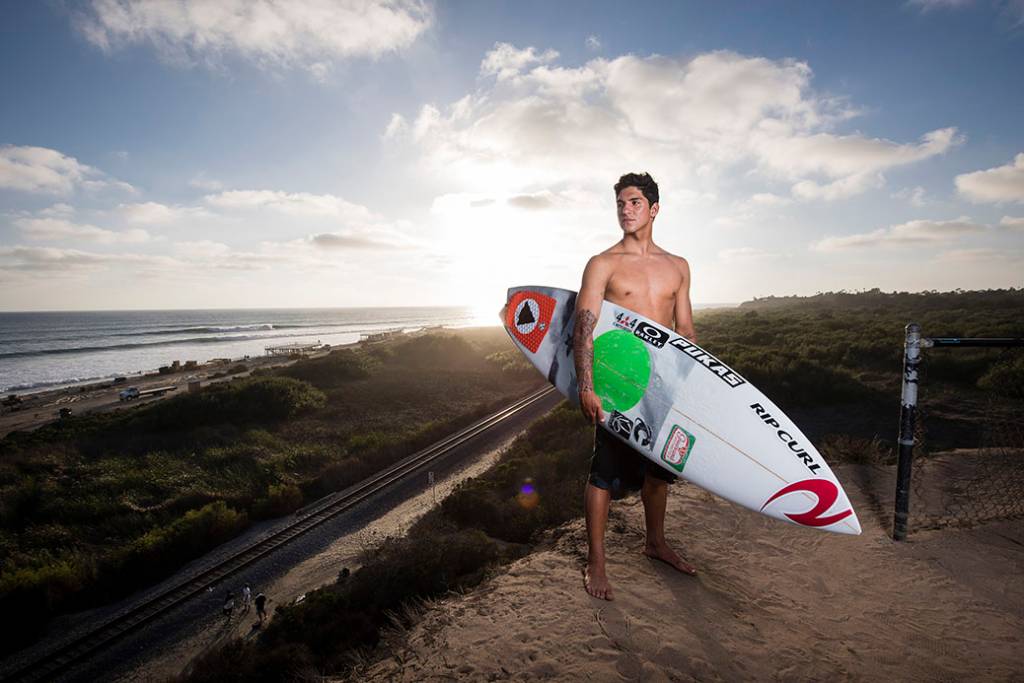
x,y
128,394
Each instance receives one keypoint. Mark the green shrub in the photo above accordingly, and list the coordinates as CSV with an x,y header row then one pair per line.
x,y
253,400
511,361
30,594
554,455
281,499
792,381
19,505
1006,377
168,547
334,369
844,448
435,351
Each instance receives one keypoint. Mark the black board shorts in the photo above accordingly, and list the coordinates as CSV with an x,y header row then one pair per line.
x,y
618,468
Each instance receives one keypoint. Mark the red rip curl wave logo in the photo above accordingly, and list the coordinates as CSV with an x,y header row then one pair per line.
x,y
826,492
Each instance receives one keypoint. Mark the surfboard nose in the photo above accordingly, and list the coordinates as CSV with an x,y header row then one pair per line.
x,y
850,525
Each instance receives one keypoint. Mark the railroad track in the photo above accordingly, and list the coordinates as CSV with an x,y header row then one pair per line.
x,y
67,655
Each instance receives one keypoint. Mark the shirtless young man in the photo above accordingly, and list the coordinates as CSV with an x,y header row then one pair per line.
x,y
640,275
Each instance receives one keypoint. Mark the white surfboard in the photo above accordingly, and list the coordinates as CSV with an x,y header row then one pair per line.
x,y
684,409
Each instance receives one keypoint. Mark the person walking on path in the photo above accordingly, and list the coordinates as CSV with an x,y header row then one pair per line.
x,y
229,604
261,607
246,599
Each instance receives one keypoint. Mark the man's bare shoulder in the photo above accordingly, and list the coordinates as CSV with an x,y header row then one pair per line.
x,y
681,262
678,261
605,259
599,270
611,252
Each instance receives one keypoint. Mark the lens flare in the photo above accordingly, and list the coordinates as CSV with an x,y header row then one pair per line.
x,y
528,498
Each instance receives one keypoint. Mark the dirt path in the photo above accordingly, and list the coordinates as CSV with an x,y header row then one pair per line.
x,y
309,574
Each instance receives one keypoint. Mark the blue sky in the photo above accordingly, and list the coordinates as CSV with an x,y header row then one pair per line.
x,y
187,154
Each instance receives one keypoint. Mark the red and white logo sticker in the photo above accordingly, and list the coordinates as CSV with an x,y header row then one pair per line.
x,y
825,491
528,318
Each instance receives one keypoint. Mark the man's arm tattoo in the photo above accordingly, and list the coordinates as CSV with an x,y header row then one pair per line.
x,y
583,349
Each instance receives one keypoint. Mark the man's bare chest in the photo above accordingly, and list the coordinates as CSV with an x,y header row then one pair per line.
x,y
654,284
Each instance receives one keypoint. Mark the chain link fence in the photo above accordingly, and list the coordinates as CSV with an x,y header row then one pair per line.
x,y
968,452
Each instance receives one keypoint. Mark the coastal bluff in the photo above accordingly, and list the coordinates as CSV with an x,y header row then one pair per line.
x,y
771,602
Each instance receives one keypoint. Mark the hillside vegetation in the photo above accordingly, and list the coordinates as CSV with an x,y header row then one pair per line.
x,y
96,506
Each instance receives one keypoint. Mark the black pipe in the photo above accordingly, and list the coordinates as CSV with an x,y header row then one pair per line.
x,y
908,413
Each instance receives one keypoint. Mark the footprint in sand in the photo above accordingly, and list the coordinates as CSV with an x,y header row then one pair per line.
x,y
628,665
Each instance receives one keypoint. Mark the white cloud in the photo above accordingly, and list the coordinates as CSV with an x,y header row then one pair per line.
x,y
593,43
56,229
202,182
745,255
320,71
293,203
341,240
573,200
853,163
186,259
980,255
928,5
838,189
999,184
53,260
769,199
47,171
360,227
202,249
396,126
1012,222
532,202
208,255
155,213
916,196
690,121
58,210
1011,11
505,61
274,33
917,232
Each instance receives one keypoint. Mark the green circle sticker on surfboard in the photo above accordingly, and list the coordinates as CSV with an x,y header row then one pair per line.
x,y
622,388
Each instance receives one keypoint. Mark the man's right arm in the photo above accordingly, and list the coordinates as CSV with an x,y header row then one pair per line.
x,y
588,307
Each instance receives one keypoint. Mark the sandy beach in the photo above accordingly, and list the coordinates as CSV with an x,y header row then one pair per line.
x,y
771,602
43,407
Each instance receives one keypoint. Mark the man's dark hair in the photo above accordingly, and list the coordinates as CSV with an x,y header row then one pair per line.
x,y
641,181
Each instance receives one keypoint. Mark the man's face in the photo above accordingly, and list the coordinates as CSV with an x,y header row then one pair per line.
x,y
635,212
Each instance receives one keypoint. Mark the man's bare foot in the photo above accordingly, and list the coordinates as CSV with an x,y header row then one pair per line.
x,y
669,557
596,583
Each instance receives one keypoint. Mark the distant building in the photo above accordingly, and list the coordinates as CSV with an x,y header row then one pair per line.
x,y
383,335
297,350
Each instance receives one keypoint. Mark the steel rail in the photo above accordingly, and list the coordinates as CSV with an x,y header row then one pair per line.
x,y
82,647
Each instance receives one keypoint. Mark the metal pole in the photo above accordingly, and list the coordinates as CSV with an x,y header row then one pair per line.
x,y
908,411
986,342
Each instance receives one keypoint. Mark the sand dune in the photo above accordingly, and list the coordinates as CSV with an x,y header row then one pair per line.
x,y
771,602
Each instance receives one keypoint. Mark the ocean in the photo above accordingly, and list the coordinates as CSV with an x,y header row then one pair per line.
x,y
53,349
